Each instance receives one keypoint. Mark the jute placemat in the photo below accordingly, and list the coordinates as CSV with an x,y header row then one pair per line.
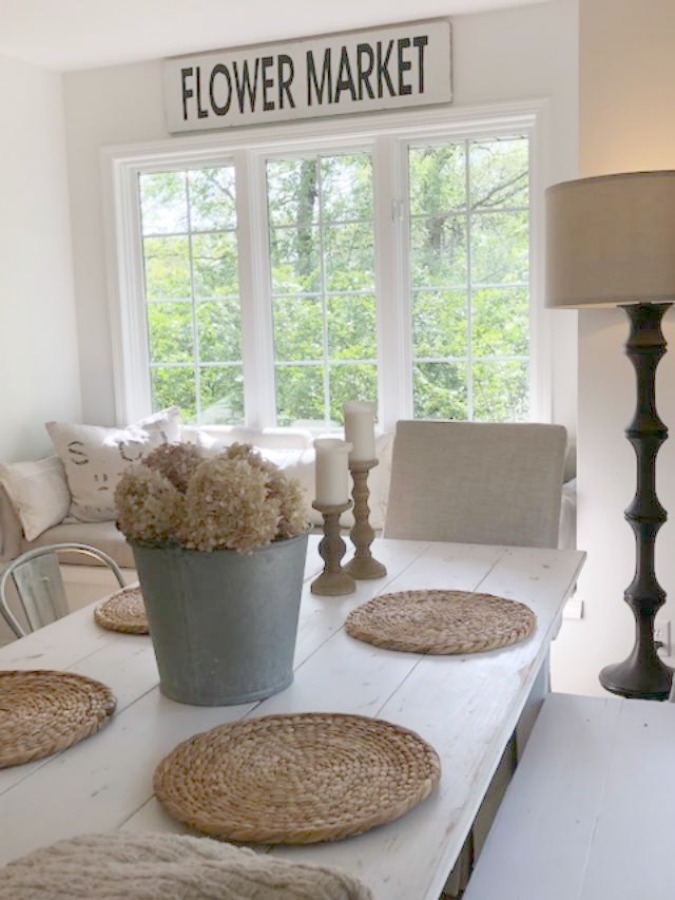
x,y
296,779
440,621
123,611
44,711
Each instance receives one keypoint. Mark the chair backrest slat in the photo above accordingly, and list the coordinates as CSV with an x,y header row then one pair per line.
x,y
36,575
40,587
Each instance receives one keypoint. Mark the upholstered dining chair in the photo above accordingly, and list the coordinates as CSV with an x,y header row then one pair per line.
x,y
479,483
476,482
36,577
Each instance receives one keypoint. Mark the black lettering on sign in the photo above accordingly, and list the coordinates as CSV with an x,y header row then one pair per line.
x,y
220,109
201,112
244,87
420,42
345,82
364,71
404,65
185,90
325,78
285,79
383,69
267,82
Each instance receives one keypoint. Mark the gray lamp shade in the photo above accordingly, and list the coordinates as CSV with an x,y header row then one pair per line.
x,y
611,240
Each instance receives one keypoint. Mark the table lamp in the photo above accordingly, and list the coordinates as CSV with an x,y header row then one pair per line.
x,y
610,241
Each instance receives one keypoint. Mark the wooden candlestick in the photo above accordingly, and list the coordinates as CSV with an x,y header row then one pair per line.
x,y
363,565
334,580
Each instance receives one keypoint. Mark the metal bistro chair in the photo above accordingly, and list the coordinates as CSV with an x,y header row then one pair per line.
x,y
36,575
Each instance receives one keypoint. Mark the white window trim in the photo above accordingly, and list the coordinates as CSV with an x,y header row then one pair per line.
x,y
121,164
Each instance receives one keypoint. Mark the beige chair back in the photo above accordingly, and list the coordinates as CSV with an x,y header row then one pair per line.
x,y
476,482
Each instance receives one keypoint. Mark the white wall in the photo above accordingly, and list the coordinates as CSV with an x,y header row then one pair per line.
x,y
627,91
524,53
39,370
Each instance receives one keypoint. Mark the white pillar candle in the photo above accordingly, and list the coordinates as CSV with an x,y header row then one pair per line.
x,y
332,471
360,429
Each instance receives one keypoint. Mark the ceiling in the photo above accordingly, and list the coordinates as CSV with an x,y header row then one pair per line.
x,y
80,34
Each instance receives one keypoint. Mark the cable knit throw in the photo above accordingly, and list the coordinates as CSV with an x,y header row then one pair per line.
x,y
130,866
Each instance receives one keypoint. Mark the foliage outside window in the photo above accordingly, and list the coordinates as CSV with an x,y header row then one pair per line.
x,y
466,296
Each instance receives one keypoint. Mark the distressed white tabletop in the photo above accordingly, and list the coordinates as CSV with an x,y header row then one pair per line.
x,y
464,706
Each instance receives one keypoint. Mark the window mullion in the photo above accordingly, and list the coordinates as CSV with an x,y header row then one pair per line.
x,y
254,280
392,281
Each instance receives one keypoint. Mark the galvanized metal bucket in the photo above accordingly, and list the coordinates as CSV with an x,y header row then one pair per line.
x,y
223,624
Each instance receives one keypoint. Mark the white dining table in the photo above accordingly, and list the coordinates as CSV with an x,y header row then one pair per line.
x,y
465,706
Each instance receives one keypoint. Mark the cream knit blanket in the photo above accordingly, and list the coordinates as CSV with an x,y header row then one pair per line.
x,y
131,866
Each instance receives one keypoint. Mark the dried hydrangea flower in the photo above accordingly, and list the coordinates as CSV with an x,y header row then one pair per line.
x,y
177,462
149,508
236,500
227,506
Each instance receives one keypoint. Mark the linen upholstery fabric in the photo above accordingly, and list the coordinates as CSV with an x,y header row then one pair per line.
x,y
104,536
145,866
94,458
39,493
476,482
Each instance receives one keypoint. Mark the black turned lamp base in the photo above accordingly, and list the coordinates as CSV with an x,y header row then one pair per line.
x,y
635,680
643,674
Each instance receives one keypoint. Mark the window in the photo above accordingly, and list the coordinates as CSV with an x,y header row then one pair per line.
x,y
469,213
266,281
322,264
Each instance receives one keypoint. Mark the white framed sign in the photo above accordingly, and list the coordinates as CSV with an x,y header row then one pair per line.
x,y
382,68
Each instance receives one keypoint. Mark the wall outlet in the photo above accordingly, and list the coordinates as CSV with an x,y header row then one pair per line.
x,y
662,637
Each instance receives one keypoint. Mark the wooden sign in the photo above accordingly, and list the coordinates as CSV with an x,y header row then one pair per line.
x,y
383,68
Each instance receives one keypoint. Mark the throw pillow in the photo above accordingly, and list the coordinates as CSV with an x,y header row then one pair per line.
x,y
94,458
39,493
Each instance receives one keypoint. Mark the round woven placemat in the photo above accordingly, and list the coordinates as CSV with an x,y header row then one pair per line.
x,y
123,611
45,711
296,779
440,621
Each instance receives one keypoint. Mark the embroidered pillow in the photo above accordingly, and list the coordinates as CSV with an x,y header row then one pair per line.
x,y
94,458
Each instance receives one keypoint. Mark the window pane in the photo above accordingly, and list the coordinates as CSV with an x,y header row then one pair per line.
x,y
440,391
293,192
170,332
499,173
500,324
437,177
351,326
351,382
298,329
300,396
212,199
500,391
167,268
295,260
349,257
346,188
222,395
322,251
200,267
438,251
214,260
440,323
163,203
499,243
219,330
175,386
